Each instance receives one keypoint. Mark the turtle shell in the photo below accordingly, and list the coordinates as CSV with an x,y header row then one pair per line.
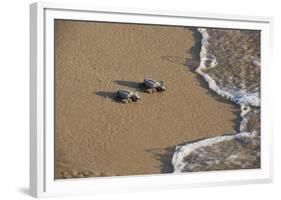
x,y
151,83
125,94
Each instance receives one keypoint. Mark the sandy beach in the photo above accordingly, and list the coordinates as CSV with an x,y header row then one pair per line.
x,y
98,136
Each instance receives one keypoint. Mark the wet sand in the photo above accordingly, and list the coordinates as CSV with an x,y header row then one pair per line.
x,y
98,136
238,55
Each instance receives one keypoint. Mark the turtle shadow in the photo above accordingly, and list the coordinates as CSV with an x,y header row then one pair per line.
x,y
108,95
130,84
136,86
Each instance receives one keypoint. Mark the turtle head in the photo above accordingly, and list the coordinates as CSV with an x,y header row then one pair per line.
x,y
136,97
161,88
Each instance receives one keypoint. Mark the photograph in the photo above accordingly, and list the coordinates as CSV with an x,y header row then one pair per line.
x,y
145,99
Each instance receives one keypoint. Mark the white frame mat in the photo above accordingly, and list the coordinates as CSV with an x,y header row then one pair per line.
x,y
42,182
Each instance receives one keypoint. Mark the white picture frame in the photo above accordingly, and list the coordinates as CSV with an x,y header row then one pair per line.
x,y
42,182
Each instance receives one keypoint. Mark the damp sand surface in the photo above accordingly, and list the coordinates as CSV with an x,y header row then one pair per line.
x,y
98,136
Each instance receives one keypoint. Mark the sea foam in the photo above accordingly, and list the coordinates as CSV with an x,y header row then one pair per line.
x,y
240,97
182,152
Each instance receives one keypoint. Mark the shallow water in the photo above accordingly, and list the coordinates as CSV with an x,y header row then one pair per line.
x,y
238,56
230,63
237,151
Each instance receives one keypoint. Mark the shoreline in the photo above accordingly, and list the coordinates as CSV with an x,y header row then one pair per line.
x,y
96,136
242,156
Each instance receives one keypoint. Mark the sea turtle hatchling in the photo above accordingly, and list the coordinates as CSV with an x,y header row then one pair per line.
x,y
153,86
127,96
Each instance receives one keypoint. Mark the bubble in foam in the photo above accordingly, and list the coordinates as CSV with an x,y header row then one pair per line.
x,y
209,61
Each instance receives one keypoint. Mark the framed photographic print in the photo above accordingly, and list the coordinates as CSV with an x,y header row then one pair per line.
x,y
129,100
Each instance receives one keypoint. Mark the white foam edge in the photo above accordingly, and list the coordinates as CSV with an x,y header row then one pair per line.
x,y
183,151
238,97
